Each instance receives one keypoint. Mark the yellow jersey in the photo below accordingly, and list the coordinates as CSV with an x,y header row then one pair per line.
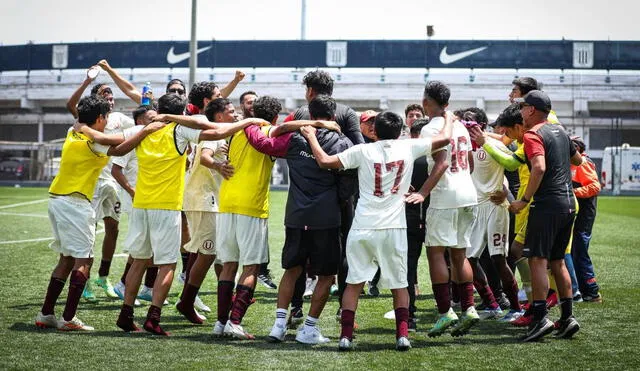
x,y
80,165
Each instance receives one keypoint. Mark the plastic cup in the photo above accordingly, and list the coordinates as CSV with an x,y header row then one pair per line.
x,y
93,72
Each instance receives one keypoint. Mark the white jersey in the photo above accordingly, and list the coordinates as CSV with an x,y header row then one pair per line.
x,y
116,123
488,174
202,186
384,176
455,188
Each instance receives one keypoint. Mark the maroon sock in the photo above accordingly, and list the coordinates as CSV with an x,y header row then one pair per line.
x,y
123,279
402,322
511,290
455,293
125,319
485,293
76,286
189,294
53,292
240,305
105,265
466,295
347,319
152,324
225,292
150,276
190,262
441,293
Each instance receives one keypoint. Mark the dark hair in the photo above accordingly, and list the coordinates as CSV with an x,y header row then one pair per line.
x,y
200,91
249,92
417,126
322,107
142,109
216,106
320,81
388,125
475,114
437,91
510,116
171,103
97,87
91,107
175,81
413,107
266,108
525,84
459,113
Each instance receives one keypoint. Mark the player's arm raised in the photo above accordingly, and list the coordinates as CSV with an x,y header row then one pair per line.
x,y
226,91
72,103
322,158
125,86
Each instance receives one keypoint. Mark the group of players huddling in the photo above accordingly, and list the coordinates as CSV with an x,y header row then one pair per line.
x,y
365,194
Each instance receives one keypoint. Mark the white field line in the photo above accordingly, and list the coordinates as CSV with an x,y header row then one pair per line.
x,y
23,203
27,215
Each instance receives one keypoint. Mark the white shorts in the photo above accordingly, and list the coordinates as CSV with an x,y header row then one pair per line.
x,y
242,239
74,226
202,228
154,233
450,227
491,228
106,202
368,249
126,203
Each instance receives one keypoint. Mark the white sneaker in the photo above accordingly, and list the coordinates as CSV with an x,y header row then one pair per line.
x,y
181,277
345,345
311,336
310,286
145,293
237,331
277,334
490,313
199,304
199,315
119,290
48,321
390,314
218,329
74,325
403,344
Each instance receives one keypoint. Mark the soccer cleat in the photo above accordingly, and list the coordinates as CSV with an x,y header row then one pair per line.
x,y
490,313
511,316
267,281
200,305
469,318
413,327
237,331
455,304
592,298
345,345
153,327
524,320
503,302
373,290
403,344
106,286
88,293
218,329
333,291
189,312
48,321
311,336
296,317
552,300
310,286
277,334
390,314
74,325
566,329
537,330
145,293
445,321
127,324
577,298
119,290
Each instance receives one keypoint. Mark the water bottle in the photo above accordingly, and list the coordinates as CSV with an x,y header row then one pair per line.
x,y
146,93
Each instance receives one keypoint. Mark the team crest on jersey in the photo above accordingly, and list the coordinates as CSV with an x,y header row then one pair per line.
x,y
482,155
207,245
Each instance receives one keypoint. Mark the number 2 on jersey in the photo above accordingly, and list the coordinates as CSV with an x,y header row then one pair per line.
x,y
389,166
458,157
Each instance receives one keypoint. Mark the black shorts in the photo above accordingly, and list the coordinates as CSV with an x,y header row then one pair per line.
x,y
319,247
548,234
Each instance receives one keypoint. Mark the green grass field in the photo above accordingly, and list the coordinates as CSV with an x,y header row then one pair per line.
x,y
609,338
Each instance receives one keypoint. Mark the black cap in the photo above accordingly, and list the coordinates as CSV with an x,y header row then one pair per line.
x,y
536,98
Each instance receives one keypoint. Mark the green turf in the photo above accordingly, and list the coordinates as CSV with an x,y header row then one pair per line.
x,y
607,340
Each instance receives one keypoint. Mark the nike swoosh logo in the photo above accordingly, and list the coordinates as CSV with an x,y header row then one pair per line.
x,y
173,58
451,58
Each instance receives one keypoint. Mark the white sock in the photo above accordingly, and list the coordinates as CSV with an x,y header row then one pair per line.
x,y
281,317
310,322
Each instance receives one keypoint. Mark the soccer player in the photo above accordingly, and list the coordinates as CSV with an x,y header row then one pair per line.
x,y
452,209
312,217
105,200
70,212
549,154
378,236
156,218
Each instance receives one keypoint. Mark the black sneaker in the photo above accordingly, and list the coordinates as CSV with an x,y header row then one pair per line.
x,y
412,325
537,330
267,281
373,290
503,302
566,329
592,298
296,317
